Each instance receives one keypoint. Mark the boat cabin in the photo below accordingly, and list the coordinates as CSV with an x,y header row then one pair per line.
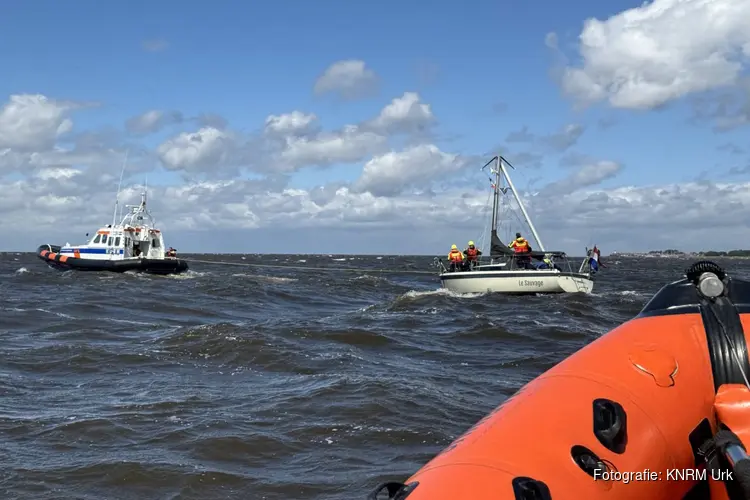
x,y
120,242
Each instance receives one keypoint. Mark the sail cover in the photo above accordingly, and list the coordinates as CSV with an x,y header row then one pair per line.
x,y
497,247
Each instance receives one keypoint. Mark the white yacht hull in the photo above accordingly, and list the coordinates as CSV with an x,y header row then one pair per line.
x,y
518,281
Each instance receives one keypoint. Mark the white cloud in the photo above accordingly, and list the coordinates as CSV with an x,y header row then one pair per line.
x,y
292,141
556,142
692,216
418,188
153,121
396,172
584,176
32,122
350,79
647,56
196,151
294,123
349,145
621,218
403,114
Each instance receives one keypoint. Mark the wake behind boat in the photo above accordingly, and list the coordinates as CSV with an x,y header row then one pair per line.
x,y
135,244
511,272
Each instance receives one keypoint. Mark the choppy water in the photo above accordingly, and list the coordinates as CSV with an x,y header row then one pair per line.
x,y
244,383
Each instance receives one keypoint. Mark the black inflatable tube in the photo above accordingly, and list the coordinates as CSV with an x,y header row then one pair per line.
x,y
50,254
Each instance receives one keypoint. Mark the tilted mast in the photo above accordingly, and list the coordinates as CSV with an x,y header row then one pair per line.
x,y
501,168
495,199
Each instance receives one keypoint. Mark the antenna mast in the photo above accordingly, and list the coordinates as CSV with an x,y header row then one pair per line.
x,y
119,186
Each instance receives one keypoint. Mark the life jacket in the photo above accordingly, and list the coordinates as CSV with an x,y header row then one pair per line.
x,y
471,253
455,256
520,245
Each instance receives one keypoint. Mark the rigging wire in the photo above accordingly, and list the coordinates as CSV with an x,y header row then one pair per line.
x,y
484,239
311,268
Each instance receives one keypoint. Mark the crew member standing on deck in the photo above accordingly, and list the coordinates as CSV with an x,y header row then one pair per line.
x,y
472,254
456,258
521,247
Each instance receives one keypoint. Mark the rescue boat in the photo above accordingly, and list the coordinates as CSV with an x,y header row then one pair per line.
x,y
658,409
135,244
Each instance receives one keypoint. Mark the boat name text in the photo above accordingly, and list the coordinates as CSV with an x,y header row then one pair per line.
x,y
536,283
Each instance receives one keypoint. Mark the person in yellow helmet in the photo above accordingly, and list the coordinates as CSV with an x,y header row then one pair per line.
x,y
456,258
472,254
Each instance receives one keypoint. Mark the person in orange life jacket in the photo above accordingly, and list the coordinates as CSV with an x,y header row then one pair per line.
x,y
472,256
521,246
456,258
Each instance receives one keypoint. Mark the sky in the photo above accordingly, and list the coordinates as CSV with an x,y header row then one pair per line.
x,y
348,127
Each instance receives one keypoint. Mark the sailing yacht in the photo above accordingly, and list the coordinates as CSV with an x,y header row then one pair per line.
x,y
504,273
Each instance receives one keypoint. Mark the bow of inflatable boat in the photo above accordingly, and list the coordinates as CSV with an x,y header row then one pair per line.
x,y
658,408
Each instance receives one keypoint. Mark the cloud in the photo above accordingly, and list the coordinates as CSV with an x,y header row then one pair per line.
x,y
405,114
562,140
556,142
622,218
349,145
32,122
396,172
728,109
690,215
522,135
295,140
197,151
584,176
646,56
211,120
350,79
551,40
402,181
290,124
526,160
153,121
155,45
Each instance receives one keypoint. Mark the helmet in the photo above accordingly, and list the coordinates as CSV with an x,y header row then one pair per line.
x,y
471,243
518,235
454,247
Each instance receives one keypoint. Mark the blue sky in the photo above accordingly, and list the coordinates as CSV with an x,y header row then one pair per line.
x,y
485,70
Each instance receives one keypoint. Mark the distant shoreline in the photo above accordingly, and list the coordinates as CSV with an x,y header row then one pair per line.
x,y
710,254
653,254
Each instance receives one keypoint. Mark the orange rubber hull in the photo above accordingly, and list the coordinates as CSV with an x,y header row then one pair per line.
x,y
640,400
533,432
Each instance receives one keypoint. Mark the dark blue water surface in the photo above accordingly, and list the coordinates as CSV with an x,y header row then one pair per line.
x,y
252,383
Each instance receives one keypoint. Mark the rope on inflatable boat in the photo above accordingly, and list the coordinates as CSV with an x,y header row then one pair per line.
x,y
311,268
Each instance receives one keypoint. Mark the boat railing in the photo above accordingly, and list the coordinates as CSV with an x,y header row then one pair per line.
x,y
511,262
438,263
584,263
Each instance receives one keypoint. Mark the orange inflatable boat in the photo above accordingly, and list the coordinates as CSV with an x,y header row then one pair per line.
x,y
658,408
